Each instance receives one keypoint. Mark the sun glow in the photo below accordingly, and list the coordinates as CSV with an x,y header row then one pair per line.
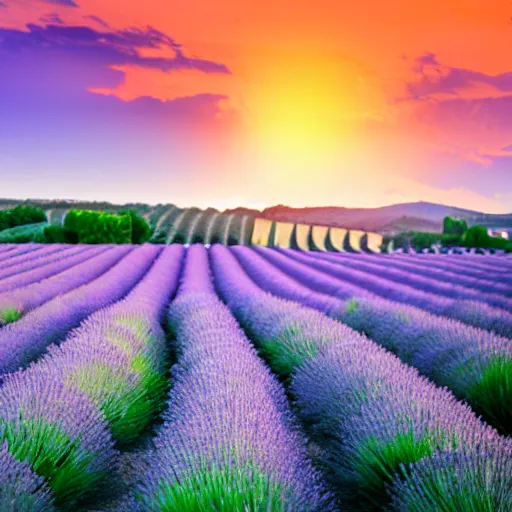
x,y
305,119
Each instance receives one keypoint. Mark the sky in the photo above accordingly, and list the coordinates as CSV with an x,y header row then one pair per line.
x,y
228,103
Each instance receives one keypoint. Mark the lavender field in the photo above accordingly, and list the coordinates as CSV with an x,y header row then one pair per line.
x,y
249,379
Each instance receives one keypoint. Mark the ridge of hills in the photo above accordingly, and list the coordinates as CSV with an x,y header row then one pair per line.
x,y
418,216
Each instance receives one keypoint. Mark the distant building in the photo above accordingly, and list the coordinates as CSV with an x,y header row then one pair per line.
x,y
505,233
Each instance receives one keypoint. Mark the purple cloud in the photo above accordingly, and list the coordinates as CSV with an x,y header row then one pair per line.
x,y
472,132
65,3
52,18
434,78
3,5
97,20
478,115
447,171
67,61
104,49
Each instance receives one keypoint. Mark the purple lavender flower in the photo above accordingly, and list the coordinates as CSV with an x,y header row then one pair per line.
x,y
229,441
473,363
53,414
494,272
479,480
118,355
26,339
446,287
443,272
17,250
368,413
20,488
59,433
44,266
39,256
471,312
61,281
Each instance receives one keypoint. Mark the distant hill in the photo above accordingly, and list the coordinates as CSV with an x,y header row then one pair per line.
x,y
420,216
170,219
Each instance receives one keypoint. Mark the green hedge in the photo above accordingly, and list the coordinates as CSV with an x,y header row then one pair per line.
x,y
54,234
21,215
454,226
477,236
141,231
473,237
422,240
99,228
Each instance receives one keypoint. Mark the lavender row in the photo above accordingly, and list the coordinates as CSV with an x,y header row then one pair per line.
x,y
502,265
22,300
18,250
446,264
228,441
456,279
470,312
474,363
380,427
26,339
444,288
64,415
13,265
34,271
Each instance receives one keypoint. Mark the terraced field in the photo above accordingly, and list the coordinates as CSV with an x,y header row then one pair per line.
x,y
253,379
192,225
171,224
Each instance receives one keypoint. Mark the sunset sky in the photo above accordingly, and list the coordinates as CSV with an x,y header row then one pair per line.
x,y
230,102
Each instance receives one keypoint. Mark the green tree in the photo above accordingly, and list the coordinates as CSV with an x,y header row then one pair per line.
x,y
21,215
54,234
453,226
477,236
141,231
99,228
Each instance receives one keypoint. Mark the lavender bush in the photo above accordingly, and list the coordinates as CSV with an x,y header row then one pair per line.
x,y
35,271
453,481
485,283
471,312
21,490
11,265
62,415
59,433
118,355
17,250
229,441
446,288
59,282
369,413
26,339
474,363
446,263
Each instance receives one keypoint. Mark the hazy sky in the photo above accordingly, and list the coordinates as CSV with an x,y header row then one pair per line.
x,y
228,102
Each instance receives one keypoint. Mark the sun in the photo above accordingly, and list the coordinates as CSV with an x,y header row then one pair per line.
x,y
304,116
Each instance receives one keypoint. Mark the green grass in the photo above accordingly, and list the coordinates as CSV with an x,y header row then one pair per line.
x,y
491,396
290,350
229,489
351,306
378,464
9,315
129,402
450,486
53,455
